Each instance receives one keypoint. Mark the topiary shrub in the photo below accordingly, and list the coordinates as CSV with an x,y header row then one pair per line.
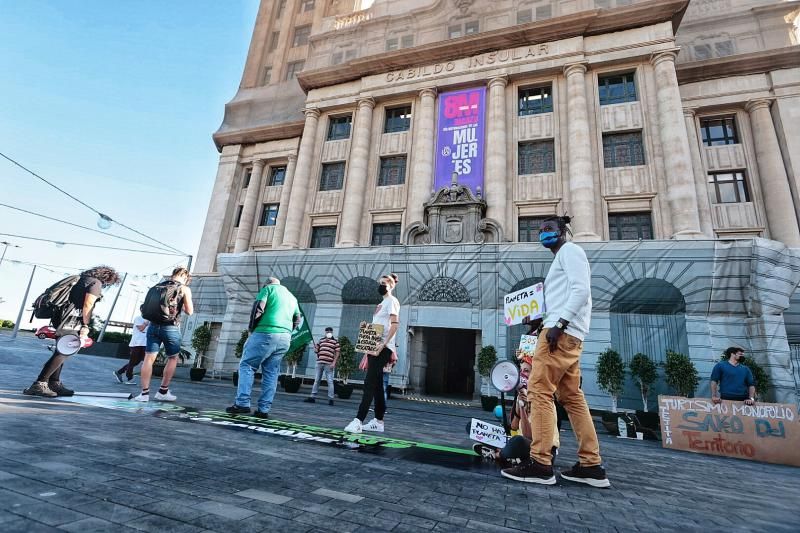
x,y
201,340
681,374
645,372
487,358
346,364
239,350
611,375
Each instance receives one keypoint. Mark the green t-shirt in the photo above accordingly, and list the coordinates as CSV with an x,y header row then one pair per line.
x,y
279,310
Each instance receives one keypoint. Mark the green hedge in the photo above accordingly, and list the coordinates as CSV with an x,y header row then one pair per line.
x,y
117,337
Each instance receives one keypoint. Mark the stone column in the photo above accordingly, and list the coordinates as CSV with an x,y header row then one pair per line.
x,y
496,186
700,176
774,180
250,209
682,195
579,148
283,209
421,182
302,176
356,183
218,218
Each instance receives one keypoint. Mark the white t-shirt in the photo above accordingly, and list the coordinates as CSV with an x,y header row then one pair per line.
x,y
138,338
389,306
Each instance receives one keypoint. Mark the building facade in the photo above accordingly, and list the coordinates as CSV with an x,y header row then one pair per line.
x,y
668,129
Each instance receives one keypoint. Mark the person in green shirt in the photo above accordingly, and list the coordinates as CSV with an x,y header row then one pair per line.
x,y
274,316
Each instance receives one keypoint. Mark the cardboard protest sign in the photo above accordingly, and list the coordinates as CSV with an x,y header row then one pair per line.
x,y
526,302
527,345
486,433
369,337
767,432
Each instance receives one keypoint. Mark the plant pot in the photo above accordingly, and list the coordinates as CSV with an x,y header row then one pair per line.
x,y
197,374
281,378
488,403
344,390
158,370
235,378
649,420
291,384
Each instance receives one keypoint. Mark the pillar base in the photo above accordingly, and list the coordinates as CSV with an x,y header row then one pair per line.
x,y
347,244
689,235
587,237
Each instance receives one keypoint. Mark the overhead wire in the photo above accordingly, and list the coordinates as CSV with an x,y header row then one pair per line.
x,y
32,173
90,245
82,227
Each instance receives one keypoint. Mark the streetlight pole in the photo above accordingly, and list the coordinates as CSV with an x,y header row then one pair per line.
x,y
105,324
22,305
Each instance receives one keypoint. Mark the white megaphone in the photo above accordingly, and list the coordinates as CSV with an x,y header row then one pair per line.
x,y
70,344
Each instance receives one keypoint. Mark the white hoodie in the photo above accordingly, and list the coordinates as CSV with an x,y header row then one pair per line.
x,y
568,292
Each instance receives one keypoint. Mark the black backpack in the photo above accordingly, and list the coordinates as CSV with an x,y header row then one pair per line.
x,y
54,299
162,303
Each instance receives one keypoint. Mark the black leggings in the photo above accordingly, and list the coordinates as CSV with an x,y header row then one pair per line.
x,y
373,385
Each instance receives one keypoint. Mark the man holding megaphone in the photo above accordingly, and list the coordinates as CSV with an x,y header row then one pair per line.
x,y
69,305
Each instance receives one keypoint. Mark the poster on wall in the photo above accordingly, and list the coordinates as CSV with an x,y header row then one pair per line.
x,y
460,138
767,432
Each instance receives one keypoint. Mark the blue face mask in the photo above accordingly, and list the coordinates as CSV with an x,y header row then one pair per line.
x,y
548,238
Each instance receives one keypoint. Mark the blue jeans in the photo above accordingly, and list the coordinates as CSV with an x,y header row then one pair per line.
x,y
168,334
322,369
265,350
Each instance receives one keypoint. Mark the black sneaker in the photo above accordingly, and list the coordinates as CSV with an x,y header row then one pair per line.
x,y
310,400
330,402
237,410
529,471
60,389
39,388
259,414
554,454
118,376
591,475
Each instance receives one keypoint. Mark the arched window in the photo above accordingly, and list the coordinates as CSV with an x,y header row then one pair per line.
x,y
444,290
648,316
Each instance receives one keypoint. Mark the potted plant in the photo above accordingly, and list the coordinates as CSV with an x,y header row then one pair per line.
x,y
611,379
681,374
238,351
201,340
161,361
487,358
645,372
345,367
292,383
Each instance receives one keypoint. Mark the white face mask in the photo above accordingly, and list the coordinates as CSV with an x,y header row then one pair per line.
x,y
329,335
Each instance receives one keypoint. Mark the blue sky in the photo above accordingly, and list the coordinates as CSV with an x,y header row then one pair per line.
x,y
115,102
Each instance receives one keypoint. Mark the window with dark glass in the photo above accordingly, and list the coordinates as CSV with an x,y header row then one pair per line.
x,y
323,237
544,12
617,89
524,16
248,173
406,41
702,51
307,5
301,34
337,58
292,69
728,187
471,27
273,42
397,119
717,131
386,234
391,44
535,100
630,226
276,176
267,75
332,178
238,216
269,215
537,157
724,48
459,30
529,228
339,128
623,150
393,171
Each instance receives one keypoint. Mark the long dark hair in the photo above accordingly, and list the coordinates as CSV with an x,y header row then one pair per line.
x,y
107,275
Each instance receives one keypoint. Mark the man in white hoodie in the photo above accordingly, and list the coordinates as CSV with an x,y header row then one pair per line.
x,y
556,364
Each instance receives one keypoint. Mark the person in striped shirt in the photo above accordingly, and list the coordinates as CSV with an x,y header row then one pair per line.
x,y
327,350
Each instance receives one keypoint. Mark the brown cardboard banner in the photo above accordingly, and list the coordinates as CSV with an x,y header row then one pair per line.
x,y
768,432
369,337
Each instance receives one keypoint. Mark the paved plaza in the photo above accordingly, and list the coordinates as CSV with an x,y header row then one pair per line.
x,y
74,467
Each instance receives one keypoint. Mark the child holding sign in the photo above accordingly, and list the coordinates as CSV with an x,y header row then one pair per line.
x,y
387,315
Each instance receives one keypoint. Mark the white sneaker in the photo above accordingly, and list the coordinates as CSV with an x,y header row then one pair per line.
x,y
373,425
131,382
168,397
354,426
141,398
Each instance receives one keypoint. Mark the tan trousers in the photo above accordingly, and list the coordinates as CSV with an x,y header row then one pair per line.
x,y
559,373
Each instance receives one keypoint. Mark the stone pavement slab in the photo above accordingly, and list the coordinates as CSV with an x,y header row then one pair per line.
x,y
124,471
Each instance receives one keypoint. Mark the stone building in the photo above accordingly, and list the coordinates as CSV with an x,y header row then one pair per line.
x,y
430,137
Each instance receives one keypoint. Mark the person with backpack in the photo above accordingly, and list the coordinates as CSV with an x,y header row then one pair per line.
x,y
162,307
69,305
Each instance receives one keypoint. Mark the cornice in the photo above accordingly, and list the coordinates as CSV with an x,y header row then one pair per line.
x,y
739,65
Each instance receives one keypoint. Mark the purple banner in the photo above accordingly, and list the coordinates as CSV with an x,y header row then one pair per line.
x,y
460,138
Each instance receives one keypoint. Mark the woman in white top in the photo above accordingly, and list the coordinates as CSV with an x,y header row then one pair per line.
x,y
388,315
